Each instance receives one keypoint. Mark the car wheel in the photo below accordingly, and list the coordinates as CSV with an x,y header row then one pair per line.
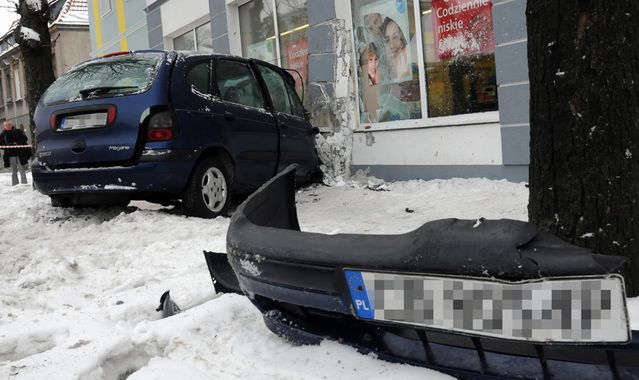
x,y
208,193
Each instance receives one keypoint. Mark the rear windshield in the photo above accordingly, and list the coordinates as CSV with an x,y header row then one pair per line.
x,y
113,76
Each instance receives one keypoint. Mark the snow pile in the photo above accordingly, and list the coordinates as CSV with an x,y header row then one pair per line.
x,y
29,34
79,288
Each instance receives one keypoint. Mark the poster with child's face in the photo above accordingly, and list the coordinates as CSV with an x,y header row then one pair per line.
x,y
386,26
385,61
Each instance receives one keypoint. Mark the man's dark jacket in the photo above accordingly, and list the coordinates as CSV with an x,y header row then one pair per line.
x,y
14,137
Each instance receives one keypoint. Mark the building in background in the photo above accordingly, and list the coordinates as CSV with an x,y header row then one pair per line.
x,y
405,88
70,45
118,25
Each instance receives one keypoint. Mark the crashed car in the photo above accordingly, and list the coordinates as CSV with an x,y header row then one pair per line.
x,y
168,126
475,299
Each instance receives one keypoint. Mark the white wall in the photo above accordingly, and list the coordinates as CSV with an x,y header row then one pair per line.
x,y
452,145
178,16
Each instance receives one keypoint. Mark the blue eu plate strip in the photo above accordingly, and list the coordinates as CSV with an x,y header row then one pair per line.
x,y
364,308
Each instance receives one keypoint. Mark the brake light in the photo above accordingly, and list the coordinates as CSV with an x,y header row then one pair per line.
x,y
115,54
52,120
110,114
160,134
161,126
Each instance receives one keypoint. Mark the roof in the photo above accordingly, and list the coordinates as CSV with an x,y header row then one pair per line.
x,y
74,12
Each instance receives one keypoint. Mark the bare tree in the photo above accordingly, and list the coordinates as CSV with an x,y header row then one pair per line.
x,y
584,114
32,35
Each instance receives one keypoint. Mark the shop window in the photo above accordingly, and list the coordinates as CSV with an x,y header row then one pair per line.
x,y
17,84
423,59
236,84
288,47
195,39
387,61
199,77
204,38
459,56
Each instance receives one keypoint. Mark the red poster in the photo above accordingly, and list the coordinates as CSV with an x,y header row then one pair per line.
x,y
297,58
462,27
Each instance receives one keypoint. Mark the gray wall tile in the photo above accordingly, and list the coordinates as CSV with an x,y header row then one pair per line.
x,y
216,7
321,68
221,45
218,25
512,63
513,104
515,173
156,40
320,11
509,20
515,142
321,39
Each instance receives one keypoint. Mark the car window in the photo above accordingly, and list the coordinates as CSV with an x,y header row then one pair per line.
x,y
297,108
199,77
277,89
113,76
236,84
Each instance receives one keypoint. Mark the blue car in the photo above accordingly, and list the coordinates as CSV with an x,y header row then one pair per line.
x,y
169,126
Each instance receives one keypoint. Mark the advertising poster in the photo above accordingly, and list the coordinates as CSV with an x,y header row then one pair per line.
x,y
386,60
297,59
462,27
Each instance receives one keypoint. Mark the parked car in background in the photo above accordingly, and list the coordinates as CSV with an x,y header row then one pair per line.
x,y
166,126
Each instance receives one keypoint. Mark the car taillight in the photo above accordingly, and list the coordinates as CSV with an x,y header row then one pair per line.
x,y
111,115
161,126
52,120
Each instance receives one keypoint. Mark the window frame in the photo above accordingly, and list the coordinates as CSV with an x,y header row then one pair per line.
x,y
194,34
278,53
425,121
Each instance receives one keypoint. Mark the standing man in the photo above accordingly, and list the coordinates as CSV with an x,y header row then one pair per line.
x,y
11,136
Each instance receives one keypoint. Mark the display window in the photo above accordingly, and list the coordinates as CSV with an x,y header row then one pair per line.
x,y
276,31
387,60
195,39
422,60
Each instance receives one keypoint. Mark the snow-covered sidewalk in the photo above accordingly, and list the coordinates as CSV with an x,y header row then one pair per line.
x,y
79,288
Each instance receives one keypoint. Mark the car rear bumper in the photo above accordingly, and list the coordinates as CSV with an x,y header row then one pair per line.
x,y
145,177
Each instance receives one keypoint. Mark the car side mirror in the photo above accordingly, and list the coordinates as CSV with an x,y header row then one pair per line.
x,y
315,131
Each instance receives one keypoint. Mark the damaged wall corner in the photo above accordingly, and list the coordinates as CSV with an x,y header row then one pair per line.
x,y
331,85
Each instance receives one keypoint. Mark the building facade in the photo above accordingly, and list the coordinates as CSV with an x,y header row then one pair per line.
x,y
70,45
117,25
403,88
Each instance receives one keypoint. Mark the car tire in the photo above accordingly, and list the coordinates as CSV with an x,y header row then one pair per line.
x,y
208,193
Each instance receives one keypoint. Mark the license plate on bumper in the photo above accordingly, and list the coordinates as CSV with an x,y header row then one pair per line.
x,y
563,310
83,121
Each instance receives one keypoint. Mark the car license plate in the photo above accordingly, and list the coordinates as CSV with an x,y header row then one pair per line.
x,y
89,120
568,310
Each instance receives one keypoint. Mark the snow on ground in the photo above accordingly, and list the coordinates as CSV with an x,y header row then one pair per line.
x,y
79,288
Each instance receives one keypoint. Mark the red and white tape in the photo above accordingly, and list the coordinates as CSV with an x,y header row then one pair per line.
x,y
14,146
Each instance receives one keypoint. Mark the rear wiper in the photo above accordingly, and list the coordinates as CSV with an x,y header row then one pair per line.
x,y
101,90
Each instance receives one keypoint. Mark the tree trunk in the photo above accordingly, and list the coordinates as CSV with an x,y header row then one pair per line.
x,y
583,59
36,52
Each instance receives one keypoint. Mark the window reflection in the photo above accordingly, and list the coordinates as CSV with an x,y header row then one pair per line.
x,y
459,55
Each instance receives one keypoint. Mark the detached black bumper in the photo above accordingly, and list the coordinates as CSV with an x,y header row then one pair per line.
x,y
300,283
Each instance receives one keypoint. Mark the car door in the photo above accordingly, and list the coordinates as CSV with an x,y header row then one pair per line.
x,y
297,138
193,104
250,128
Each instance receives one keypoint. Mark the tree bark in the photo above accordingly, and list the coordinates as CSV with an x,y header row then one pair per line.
x,y
583,59
36,53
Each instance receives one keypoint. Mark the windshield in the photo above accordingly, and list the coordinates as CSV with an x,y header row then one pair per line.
x,y
118,75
